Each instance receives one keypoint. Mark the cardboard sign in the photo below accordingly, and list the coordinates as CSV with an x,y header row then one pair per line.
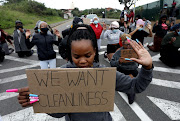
x,y
128,53
86,21
70,90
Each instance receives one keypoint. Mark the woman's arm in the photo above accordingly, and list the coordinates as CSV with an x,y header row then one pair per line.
x,y
56,32
138,84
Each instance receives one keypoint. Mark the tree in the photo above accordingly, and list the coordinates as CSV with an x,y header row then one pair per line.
x,y
127,3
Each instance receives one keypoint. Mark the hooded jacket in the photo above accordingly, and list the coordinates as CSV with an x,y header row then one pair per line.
x,y
44,43
123,84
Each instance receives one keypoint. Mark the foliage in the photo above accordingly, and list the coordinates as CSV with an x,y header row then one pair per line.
x,y
28,11
127,3
29,6
109,14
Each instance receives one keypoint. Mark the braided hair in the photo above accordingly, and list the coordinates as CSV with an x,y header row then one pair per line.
x,y
82,32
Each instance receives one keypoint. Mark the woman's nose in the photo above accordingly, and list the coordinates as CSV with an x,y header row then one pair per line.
x,y
82,61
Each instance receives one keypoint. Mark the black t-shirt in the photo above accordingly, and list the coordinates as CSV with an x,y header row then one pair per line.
x,y
121,26
140,35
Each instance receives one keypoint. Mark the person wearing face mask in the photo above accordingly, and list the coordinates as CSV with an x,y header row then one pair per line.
x,y
139,33
44,43
98,30
19,40
124,66
113,35
165,11
133,25
174,12
169,47
160,29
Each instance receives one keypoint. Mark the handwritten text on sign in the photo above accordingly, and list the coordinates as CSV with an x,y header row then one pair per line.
x,y
128,53
73,90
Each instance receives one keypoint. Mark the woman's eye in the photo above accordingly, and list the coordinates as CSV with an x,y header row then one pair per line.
x,y
76,57
88,56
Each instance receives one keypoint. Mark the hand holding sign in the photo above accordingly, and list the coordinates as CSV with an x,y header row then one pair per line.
x,y
23,97
144,58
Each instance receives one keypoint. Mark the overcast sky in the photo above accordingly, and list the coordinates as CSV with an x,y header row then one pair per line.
x,y
87,4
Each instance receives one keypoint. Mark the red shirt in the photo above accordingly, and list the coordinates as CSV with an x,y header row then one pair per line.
x,y
131,16
97,30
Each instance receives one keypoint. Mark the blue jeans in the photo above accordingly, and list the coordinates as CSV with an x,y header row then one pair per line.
x,y
51,63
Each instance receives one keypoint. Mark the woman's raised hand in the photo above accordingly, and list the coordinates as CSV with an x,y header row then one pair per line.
x,y
144,58
28,33
56,32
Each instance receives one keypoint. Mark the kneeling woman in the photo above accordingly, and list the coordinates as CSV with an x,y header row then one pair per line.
x,y
113,36
44,43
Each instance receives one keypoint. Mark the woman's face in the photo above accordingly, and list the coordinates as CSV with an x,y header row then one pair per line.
x,y
163,20
83,53
43,25
126,45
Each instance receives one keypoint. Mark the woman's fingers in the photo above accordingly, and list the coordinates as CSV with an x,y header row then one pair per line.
x,y
23,101
25,104
24,89
136,60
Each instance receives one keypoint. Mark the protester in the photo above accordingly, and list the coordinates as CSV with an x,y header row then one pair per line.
x,y
133,25
113,36
131,19
146,22
98,30
103,15
174,12
65,34
139,32
44,43
160,29
2,54
121,25
169,47
165,11
124,14
123,66
3,37
83,52
19,40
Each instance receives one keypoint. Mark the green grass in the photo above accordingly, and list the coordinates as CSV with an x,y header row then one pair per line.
x,y
8,18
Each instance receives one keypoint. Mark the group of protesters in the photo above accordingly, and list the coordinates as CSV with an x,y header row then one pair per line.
x,y
80,43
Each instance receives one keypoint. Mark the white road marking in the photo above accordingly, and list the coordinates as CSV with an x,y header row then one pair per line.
x,y
156,57
162,69
21,60
29,115
136,108
116,114
101,53
170,108
13,78
18,68
166,83
103,47
6,95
